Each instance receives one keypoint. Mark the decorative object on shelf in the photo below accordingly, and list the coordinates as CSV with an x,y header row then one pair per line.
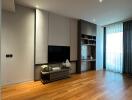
x,y
46,68
68,64
63,64
91,57
56,69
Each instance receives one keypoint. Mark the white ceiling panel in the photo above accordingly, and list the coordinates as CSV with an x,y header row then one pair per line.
x,y
107,12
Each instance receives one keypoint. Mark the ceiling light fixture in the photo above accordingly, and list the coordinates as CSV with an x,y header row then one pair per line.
x,y
100,1
37,6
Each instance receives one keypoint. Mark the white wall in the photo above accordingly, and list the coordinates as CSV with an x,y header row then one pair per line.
x,y
18,39
73,43
73,39
0,49
63,32
59,32
8,5
99,48
41,37
56,30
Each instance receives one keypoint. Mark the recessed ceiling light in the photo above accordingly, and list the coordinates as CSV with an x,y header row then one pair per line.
x,y
100,1
37,6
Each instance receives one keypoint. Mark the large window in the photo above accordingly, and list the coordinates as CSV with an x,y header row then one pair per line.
x,y
114,47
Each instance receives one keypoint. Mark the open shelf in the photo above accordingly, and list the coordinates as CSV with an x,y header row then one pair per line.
x,y
88,60
88,36
88,39
89,44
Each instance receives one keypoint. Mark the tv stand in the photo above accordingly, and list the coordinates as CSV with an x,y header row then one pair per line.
x,y
51,76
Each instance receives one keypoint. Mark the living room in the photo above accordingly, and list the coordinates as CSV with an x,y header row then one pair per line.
x,y
68,49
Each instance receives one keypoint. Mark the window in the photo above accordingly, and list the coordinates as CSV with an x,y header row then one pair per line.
x,y
114,47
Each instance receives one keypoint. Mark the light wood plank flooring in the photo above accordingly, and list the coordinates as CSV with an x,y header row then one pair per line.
x,y
91,85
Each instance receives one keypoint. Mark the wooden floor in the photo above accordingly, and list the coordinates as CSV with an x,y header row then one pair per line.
x,y
87,86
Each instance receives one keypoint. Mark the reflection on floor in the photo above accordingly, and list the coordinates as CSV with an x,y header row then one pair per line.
x,y
91,85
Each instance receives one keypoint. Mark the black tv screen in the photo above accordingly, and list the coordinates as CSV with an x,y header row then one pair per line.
x,y
57,54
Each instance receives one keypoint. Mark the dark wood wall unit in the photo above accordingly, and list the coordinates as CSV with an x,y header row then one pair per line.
x,y
104,58
78,68
87,38
88,28
34,43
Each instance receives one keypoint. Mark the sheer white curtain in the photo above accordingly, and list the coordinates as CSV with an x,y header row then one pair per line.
x,y
114,47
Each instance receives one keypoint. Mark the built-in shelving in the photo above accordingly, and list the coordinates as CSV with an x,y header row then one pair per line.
x,y
88,40
88,51
86,46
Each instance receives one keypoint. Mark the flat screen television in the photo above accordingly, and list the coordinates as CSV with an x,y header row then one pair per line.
x,y
58,54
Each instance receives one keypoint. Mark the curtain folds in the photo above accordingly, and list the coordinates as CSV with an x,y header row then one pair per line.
x,y
114,47
127,47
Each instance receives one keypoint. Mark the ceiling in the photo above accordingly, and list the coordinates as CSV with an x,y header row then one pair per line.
x,y
107,12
